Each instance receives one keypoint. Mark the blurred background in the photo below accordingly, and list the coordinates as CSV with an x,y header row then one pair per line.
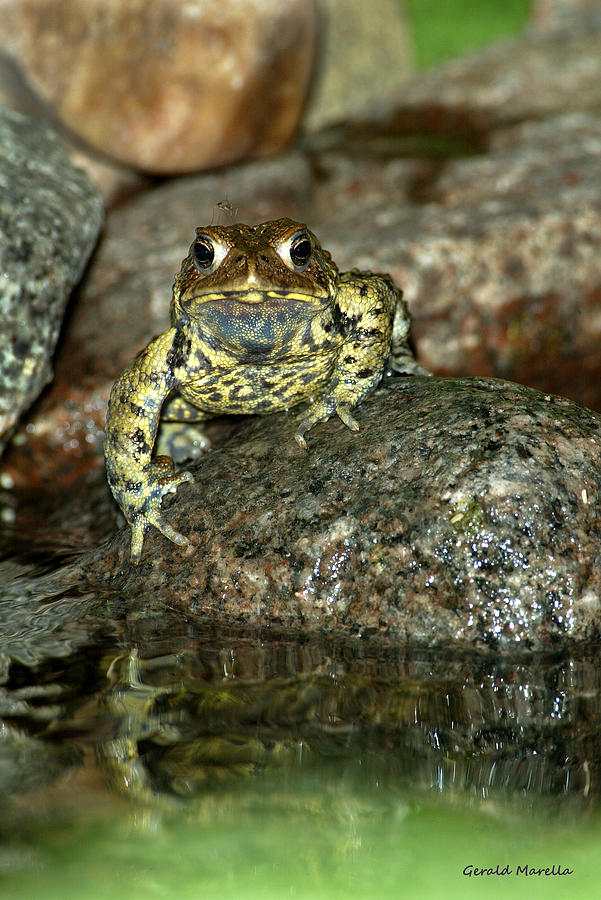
x,y
454,145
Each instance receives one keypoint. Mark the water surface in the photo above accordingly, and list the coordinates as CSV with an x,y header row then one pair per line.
x,y
178,761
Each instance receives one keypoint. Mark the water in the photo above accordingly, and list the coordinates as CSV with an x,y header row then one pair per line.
x,y
189,762
377,848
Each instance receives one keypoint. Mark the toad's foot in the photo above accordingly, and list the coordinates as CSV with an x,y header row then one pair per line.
x,y
321,412
160,479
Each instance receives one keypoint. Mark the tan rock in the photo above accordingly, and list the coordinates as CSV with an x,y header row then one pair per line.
x,y
365,58
167,87
114,181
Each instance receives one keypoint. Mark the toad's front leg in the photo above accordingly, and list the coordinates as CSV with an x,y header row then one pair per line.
x,y
137,481
364,315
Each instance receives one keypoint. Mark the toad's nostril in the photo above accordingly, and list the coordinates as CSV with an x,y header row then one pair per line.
x,y
238,258
264,258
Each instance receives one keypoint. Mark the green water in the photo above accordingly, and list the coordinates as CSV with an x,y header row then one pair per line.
x,y
234,766
308,840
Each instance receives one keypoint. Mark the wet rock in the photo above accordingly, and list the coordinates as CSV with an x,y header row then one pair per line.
x,y
50,216
465,513
168,87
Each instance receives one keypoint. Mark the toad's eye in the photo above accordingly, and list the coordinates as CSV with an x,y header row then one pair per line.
x,y
204,253
300,250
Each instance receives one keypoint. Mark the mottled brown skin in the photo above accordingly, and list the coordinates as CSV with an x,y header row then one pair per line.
x,y
262,320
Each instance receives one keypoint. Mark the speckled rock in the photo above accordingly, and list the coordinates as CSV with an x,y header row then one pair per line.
x,y
499,260
125,301
496,253
50,216
465,513
167,87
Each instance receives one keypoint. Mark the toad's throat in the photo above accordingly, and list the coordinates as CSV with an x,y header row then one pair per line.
x,y
258,327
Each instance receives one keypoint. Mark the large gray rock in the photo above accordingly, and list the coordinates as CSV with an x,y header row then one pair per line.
x,y
464,514
50,216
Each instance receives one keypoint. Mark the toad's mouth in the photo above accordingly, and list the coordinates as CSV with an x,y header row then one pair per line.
x,y
251,297
258,326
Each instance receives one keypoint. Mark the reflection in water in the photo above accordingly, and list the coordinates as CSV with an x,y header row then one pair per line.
x,y
198,713
264,762
515,729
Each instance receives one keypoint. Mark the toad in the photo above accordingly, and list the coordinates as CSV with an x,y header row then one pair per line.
x,y
261,321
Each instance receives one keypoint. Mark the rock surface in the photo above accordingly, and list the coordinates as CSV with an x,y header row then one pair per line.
x,y
465,513
528,77
557,15
125,301
499,260
50,216
479,525
365,57
168,87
